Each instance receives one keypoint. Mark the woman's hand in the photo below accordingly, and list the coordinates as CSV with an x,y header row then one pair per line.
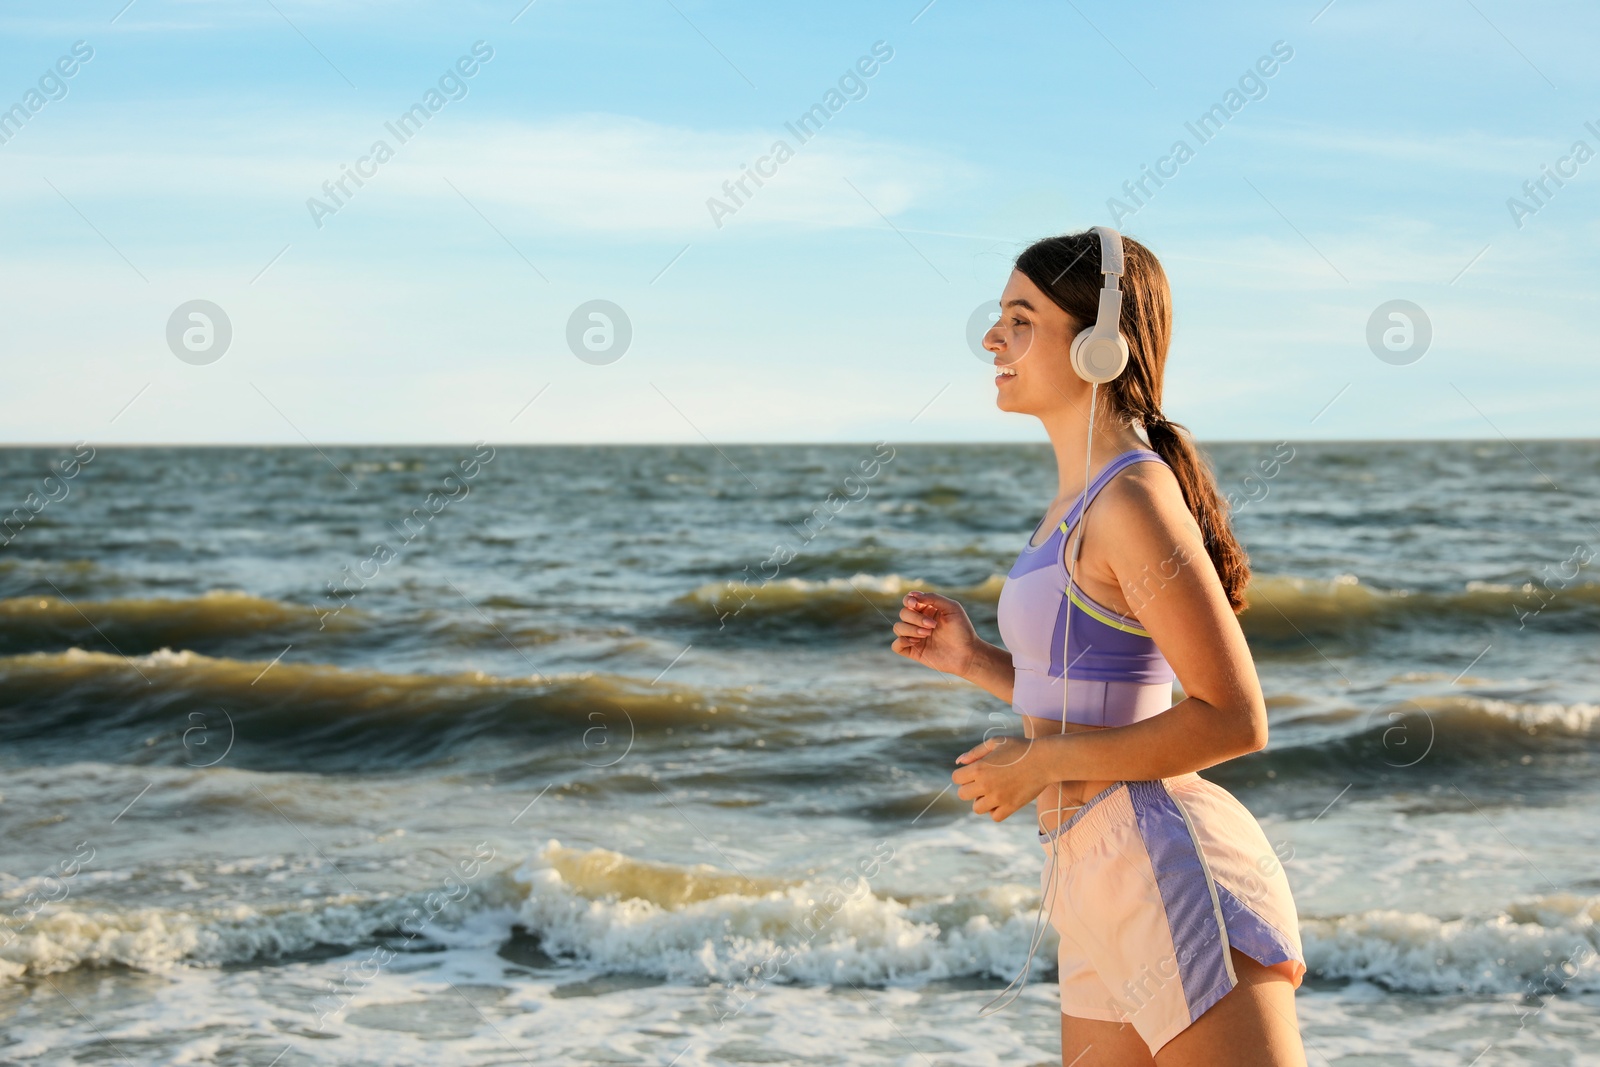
x,y
1001,775
935,631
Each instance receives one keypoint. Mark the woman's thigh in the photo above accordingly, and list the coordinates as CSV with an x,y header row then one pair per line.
x,y
1253,1026
1092,1043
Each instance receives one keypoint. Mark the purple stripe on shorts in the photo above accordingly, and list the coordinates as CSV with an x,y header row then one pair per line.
x,y
1185,894
1253,935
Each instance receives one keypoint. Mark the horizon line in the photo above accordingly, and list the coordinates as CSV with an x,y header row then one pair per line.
x,y
745,444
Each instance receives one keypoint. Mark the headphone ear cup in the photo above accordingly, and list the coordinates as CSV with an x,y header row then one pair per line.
x,y
1098,358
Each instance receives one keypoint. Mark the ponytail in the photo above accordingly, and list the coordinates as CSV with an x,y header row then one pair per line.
x,y
1067,269
1174,444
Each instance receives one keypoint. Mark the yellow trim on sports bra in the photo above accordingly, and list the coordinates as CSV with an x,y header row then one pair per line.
x,y
1096,612
1100,616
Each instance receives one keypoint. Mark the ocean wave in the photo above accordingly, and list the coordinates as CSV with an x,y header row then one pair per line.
x,y
1536,947
1284,608
820,604
231,622
604,912
1291,608
655,927
593,909
63,937
813,931
319,717
1421,735
143,624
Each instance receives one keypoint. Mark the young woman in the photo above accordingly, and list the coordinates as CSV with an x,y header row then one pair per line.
x,y
1179,940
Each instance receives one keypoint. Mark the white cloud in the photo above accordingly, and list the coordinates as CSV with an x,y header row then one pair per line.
x,y
584,173
603,172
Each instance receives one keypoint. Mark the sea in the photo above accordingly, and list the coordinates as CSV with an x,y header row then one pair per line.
x,y
478,754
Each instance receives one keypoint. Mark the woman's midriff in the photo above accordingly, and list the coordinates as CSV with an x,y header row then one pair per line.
x,y
1065,795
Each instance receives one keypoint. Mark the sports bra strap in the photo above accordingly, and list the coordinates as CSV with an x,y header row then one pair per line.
x,y
1126,459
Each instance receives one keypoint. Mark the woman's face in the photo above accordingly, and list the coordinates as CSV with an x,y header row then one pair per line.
x,y
1031,345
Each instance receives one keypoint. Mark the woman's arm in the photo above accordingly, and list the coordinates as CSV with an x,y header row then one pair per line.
x,y
1159,560
991,669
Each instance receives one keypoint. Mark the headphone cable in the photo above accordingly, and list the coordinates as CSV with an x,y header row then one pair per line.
x,y
1007,996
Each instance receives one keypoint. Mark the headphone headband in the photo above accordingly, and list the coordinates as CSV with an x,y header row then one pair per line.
x,y
1110,251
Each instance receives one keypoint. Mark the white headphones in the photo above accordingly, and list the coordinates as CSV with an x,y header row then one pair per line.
x,y
1100,353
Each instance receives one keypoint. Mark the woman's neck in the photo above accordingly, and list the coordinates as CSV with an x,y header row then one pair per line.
x,y
1068,427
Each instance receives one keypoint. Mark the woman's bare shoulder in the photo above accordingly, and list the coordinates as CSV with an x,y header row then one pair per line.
x,y
1147,497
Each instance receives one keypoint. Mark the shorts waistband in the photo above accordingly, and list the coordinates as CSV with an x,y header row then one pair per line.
x,y
1096,814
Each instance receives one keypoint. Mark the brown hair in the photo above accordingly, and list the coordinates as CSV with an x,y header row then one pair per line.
x,y
1067,269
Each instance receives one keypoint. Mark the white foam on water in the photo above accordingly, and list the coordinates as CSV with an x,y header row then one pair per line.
x,y
600,912
1536,947
62,937
807,932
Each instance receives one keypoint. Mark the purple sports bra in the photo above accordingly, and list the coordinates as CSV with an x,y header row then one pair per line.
x,y
1116,674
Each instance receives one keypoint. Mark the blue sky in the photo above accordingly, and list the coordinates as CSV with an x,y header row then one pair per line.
x,y
577,162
